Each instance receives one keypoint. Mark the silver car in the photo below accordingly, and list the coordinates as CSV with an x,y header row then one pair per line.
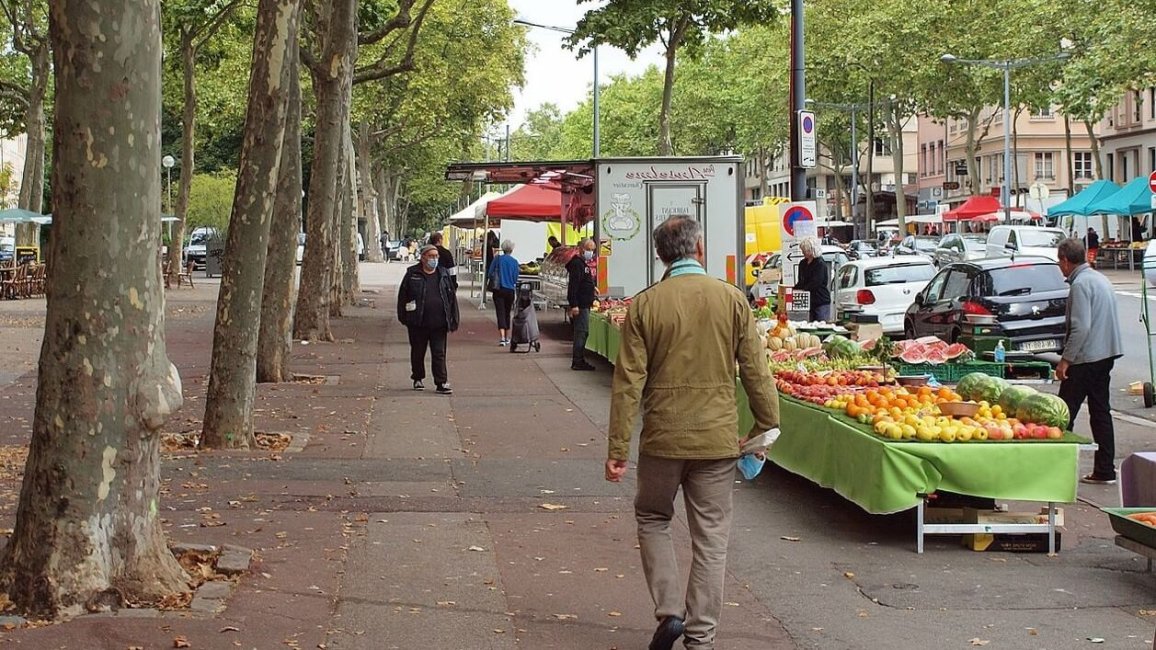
x,y
960,248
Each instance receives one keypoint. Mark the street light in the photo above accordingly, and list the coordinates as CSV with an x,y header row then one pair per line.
x,y
564,30
1007,65
854,110
167,162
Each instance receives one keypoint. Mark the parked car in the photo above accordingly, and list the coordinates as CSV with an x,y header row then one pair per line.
x,y
1009,241
767,285
197,249
859,249
960,248
924,245
392,250
300,247
1022,299
882,287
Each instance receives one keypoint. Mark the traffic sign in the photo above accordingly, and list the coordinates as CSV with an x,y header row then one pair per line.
x,y
808,147
1152,181
951,185
1041,192
793,214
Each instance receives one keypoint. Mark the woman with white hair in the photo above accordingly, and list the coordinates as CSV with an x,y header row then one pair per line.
x,y
502,278
815,277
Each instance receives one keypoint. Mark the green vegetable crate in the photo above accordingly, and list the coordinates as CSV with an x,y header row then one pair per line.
x,y
950,372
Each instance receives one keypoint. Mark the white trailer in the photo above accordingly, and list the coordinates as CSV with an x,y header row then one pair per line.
x,y
635,195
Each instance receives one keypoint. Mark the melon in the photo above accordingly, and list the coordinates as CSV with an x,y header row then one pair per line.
x,y
1045,409
1010,399
774,343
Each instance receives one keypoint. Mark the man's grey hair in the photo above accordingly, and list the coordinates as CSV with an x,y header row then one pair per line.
x,y
676,238
507,247
811,246
1073,251
585,240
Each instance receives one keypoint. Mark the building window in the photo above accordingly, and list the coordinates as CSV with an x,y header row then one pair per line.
x,y
923,160
1152,159
882,147
1111,161
911,180
1137,107
1082,164
1152,102
1045,166
1043,113
939,160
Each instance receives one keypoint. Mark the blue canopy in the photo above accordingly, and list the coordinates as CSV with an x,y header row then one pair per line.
x,y
16,215
1133,198
1078,204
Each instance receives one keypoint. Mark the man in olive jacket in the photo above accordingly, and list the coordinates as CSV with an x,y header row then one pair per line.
x,y
427,305
680,342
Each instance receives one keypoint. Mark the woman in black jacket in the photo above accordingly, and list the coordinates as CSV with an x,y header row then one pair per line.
x,y
428,306
815,277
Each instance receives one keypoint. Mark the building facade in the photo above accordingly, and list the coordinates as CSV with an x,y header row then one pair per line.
x,y
1128,137
1039,150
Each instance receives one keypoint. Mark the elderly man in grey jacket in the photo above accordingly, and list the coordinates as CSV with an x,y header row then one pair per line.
x,y
1091,347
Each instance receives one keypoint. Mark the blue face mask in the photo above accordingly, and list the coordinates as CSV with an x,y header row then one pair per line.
x,y
587,255
431,264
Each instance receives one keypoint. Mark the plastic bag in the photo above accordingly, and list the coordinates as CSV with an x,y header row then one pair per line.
x,y
750,465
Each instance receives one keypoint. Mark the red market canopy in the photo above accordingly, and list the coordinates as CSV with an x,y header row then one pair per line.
x,y
540,202
973,207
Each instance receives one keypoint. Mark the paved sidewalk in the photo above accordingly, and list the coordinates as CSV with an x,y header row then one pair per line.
x,y
419,521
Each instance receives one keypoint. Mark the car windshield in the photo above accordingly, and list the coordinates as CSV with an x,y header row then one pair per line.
x,y
926,244
1022,279
199,238
898,274
1040,238
974,242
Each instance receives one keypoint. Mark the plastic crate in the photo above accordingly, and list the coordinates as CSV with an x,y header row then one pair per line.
x,y
950,372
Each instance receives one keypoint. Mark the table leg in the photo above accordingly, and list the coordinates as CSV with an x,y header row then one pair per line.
x,y
1051,528
919,526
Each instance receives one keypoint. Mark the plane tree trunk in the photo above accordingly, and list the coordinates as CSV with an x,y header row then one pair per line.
x,y
87,532
233,373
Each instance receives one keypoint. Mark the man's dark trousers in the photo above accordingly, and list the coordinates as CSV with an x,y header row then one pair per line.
x,y
1093,382
581,324
435,339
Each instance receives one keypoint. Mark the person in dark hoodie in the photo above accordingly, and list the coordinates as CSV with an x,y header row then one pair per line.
x,y
427,305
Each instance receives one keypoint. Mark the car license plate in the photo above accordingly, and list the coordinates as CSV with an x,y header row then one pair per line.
x,y
1046,345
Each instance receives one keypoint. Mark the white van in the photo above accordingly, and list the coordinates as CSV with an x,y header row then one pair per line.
x,y
1009,241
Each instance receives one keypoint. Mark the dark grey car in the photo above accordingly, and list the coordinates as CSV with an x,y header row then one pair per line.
x,y
960,248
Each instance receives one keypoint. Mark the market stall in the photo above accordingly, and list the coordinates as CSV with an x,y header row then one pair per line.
x,y
885,448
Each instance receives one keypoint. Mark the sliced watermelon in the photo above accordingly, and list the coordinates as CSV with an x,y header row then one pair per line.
x,y
956,350
914,354
868,345
936,355
928,340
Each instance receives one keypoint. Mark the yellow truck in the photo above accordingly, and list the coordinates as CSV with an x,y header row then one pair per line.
x,y
763,234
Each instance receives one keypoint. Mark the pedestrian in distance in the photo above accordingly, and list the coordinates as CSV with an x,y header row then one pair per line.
x,y
815,278
679,345
1092,343
445,257
553,242
1092,241
581,290
427,305
502,279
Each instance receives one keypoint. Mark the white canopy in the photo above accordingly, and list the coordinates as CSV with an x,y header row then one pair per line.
x,y
915,218
476,211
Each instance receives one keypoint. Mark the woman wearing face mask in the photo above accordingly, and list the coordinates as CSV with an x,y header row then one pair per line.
x,y
428,307
503,279
580,294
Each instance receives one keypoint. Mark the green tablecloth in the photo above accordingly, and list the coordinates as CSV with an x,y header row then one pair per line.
x,y
603,338
882,476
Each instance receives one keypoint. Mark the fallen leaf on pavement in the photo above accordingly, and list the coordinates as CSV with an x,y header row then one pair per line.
x,y
475,548
181,642
552,506
614,613
788,538
1032,631
978,641
566,617
230,629
848,575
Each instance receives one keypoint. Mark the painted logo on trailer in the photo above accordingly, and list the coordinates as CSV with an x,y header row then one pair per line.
x,y
621,222
794,215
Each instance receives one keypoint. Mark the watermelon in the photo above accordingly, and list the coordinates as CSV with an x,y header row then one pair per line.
x,y
980,387
841,346
936,355
1011,398
914,354
1045,409
955,350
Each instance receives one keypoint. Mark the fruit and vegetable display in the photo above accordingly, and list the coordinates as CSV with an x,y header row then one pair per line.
x,y
615,310
530,268
924,413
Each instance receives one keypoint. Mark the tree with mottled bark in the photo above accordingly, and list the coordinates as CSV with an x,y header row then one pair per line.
x,y
275,339
28,19
233,375
196,22
88,533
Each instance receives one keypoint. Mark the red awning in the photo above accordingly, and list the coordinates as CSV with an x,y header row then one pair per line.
x,y
530,203
973,207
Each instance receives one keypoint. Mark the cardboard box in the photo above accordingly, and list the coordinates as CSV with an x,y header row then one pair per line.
x,y
1010,543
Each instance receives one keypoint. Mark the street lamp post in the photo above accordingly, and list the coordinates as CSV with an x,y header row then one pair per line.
x,y
167,162
854,110
1006,65
564,30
